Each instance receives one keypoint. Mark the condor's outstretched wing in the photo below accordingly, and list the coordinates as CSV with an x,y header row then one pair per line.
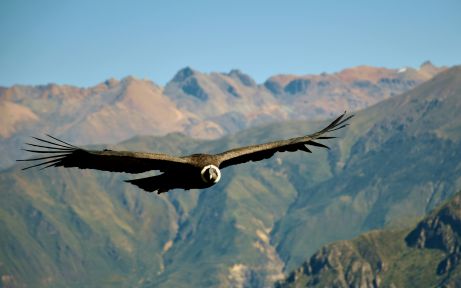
x,y
55,152
267,150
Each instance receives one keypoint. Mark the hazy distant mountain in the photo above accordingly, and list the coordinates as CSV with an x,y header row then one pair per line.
x,y
107,113
355,88
227,98
77,228
426,256
196,104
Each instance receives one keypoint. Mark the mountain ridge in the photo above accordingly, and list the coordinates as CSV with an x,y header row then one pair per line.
x,y
201,105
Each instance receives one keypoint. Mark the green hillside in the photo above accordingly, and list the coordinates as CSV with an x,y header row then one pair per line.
x,y
73,228
81,227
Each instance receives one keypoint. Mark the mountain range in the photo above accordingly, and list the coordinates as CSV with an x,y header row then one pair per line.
x,y
205,106
397,161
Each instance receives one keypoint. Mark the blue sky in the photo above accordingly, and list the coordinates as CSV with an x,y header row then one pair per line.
x,y
85,42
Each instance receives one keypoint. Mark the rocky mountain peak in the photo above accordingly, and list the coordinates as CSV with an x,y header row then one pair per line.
x,y
183,74
242,77
441,230
428,68
128,79
297,86
427,64
111,82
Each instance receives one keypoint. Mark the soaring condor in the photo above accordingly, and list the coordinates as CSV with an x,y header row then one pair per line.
x,y
196,171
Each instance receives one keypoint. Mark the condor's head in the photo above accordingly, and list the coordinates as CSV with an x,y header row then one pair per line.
x,y
210,174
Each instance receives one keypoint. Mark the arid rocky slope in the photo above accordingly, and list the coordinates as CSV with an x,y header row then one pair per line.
x,y
426,256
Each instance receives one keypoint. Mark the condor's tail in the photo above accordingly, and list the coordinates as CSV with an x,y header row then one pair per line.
x,y
160,183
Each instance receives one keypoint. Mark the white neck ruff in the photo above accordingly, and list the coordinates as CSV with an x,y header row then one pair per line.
x,y
202,173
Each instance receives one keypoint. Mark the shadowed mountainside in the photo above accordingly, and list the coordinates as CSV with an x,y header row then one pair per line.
x,y
398,159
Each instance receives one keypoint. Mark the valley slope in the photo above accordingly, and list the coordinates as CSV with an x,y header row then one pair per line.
x,y
396,162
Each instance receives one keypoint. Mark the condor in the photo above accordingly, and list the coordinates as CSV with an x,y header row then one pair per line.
x,y
196,171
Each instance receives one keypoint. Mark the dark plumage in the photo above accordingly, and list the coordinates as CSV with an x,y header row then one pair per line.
x,y
195,171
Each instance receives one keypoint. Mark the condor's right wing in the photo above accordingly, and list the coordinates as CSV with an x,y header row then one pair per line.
x,y
57,153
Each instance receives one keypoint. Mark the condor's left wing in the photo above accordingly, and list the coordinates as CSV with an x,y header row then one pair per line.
x,y
267,150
